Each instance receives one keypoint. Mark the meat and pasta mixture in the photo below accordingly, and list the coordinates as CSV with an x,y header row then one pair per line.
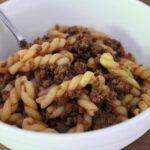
x,y
73,79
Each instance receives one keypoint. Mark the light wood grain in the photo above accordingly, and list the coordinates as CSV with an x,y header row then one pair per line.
x,y
141,144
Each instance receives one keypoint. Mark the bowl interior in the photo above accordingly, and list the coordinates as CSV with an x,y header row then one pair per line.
x,y
127,21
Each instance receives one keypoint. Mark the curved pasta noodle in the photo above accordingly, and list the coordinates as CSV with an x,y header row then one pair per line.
x,y
46,47
108,62
106,47
132,99
16,119
80,127
26,54
10,105
28,96
54,32
63,58
120,110
54,112
31,124
79,81
90,107
4,65
137,69
141,71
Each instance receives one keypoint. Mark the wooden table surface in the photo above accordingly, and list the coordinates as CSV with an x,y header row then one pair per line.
x,y
142,143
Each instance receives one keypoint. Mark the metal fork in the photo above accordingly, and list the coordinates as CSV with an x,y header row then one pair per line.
x,y
20,39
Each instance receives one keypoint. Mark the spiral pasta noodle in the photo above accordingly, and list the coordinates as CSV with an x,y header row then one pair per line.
x,y
79,81
28,97
31,124
120,110
132,99
54,112
63,58
10,105
141,71
90,107
16,119
107,61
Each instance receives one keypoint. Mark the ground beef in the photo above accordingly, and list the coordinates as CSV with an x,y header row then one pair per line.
x,y
59,73
117,85
75,93
46,83
49,74
62,100
104,120
116,46
79,68
81,47
95,50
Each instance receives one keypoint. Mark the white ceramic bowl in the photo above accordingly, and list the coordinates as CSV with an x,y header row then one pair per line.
x,y
127,21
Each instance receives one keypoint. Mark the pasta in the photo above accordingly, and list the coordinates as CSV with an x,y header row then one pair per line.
x,y
25,54
54,112
107,61
79,81
73,79
62,58
31,124
28,96
82,127
90,107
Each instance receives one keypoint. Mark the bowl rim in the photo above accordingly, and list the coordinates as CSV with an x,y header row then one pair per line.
x,y
92,133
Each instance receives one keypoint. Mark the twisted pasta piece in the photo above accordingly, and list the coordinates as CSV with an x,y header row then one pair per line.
x,y
142,106
146,98
102,85
79,81
46,47
141,71
82,127
132,99
28,96
54,112
62,58
71,40
4,65
137,69
31,124
6,111
11,103
106,47
16,119
90,107
54,32
120,110
108,62
126,64
25,54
